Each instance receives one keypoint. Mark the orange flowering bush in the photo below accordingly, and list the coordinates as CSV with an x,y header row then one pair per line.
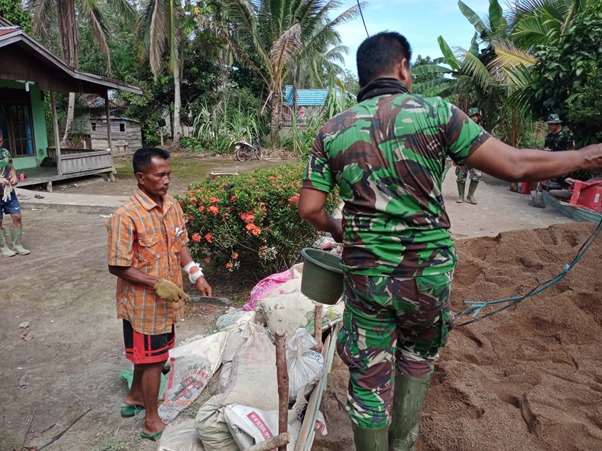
x,y
249,222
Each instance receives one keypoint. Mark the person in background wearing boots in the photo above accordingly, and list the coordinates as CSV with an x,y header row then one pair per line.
x,y
9,204
463,172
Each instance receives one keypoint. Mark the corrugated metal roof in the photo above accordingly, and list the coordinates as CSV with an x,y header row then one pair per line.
x,y
306,97
4,31
33,51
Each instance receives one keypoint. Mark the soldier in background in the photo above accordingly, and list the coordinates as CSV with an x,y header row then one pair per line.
x,y
463,171
558,140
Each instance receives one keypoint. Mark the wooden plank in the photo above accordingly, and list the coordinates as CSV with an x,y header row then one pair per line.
x,y
57,139
282,376
576,213
307,433
108,114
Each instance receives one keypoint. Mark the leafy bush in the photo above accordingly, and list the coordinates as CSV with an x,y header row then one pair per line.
x,y
300,140
217,127
566,78
249,222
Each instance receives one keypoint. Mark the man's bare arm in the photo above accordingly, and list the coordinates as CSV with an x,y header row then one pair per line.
x,y
134,275
13,176
311,208
508,163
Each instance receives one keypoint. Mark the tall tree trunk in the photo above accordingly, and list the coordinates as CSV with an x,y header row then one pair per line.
x,y
177,106
68,31
275,122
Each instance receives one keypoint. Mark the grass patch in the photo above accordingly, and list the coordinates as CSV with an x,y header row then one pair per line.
x,y
116,445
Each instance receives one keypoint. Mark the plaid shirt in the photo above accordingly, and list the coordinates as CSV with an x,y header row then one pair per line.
x,y
145,237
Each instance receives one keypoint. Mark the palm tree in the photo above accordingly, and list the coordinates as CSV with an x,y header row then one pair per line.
x,y
275,36
160,28
66,13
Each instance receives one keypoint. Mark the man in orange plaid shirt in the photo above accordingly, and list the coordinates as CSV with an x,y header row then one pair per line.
x,y
147,252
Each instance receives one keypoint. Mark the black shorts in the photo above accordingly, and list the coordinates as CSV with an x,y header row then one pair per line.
x,y
141,348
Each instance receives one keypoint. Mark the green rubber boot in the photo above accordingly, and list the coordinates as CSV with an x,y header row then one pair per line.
x,y
16,234
408,399
473,187
371,439
461,190
4,249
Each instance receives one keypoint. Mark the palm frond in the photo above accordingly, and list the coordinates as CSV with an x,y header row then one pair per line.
x,y
125,8
327,28
536,29
156,45
241,12
474,67
100,29
509,55
286,49
44,13
558,9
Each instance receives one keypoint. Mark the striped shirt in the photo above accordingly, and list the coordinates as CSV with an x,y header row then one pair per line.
x,y
146,237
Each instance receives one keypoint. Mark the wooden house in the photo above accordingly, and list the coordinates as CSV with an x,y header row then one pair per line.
x,y
27,72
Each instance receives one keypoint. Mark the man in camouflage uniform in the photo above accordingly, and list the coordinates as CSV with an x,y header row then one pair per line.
x,y
9,204
463,171
559,139
387,155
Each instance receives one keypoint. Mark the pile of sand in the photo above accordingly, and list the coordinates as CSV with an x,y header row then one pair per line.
x,y
529,378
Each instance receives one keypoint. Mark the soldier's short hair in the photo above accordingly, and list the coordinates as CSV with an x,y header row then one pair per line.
x,y
379,54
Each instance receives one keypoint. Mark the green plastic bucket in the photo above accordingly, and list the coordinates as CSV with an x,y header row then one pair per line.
x,y
322,279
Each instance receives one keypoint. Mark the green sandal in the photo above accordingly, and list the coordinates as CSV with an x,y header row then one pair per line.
x,y
129,410
152,437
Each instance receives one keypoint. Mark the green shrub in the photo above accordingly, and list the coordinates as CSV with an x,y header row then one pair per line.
x,y
216,128
249,222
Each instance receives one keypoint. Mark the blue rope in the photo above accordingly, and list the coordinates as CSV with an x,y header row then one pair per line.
x,y
475,307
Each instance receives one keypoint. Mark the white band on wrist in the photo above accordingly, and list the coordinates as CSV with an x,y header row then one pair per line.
x,y
190,265
196,276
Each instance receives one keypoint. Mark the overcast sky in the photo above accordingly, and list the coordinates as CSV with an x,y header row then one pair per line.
x,y
420,21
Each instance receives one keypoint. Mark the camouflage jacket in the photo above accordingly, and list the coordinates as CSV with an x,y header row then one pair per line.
x,y
6,162
387,155
559,141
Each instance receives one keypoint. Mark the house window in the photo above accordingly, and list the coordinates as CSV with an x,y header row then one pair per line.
x,y
22,130
15,121
93,126
121,127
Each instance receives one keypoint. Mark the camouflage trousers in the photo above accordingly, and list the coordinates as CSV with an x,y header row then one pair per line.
x,y
463,172
390,321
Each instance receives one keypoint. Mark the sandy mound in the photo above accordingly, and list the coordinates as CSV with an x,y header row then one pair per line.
x,y
529,378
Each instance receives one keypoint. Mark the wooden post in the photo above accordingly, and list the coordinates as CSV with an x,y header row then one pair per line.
x,y
274,442
109,140
318,327
108,114
57,139
282,376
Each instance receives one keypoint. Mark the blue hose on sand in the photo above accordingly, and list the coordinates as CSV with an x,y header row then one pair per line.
x,y
475,308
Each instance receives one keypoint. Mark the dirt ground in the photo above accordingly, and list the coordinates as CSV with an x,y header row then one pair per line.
x,y
70,359
527,379
186,169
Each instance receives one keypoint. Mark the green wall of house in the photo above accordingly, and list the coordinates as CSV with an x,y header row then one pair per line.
x,y
39,124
